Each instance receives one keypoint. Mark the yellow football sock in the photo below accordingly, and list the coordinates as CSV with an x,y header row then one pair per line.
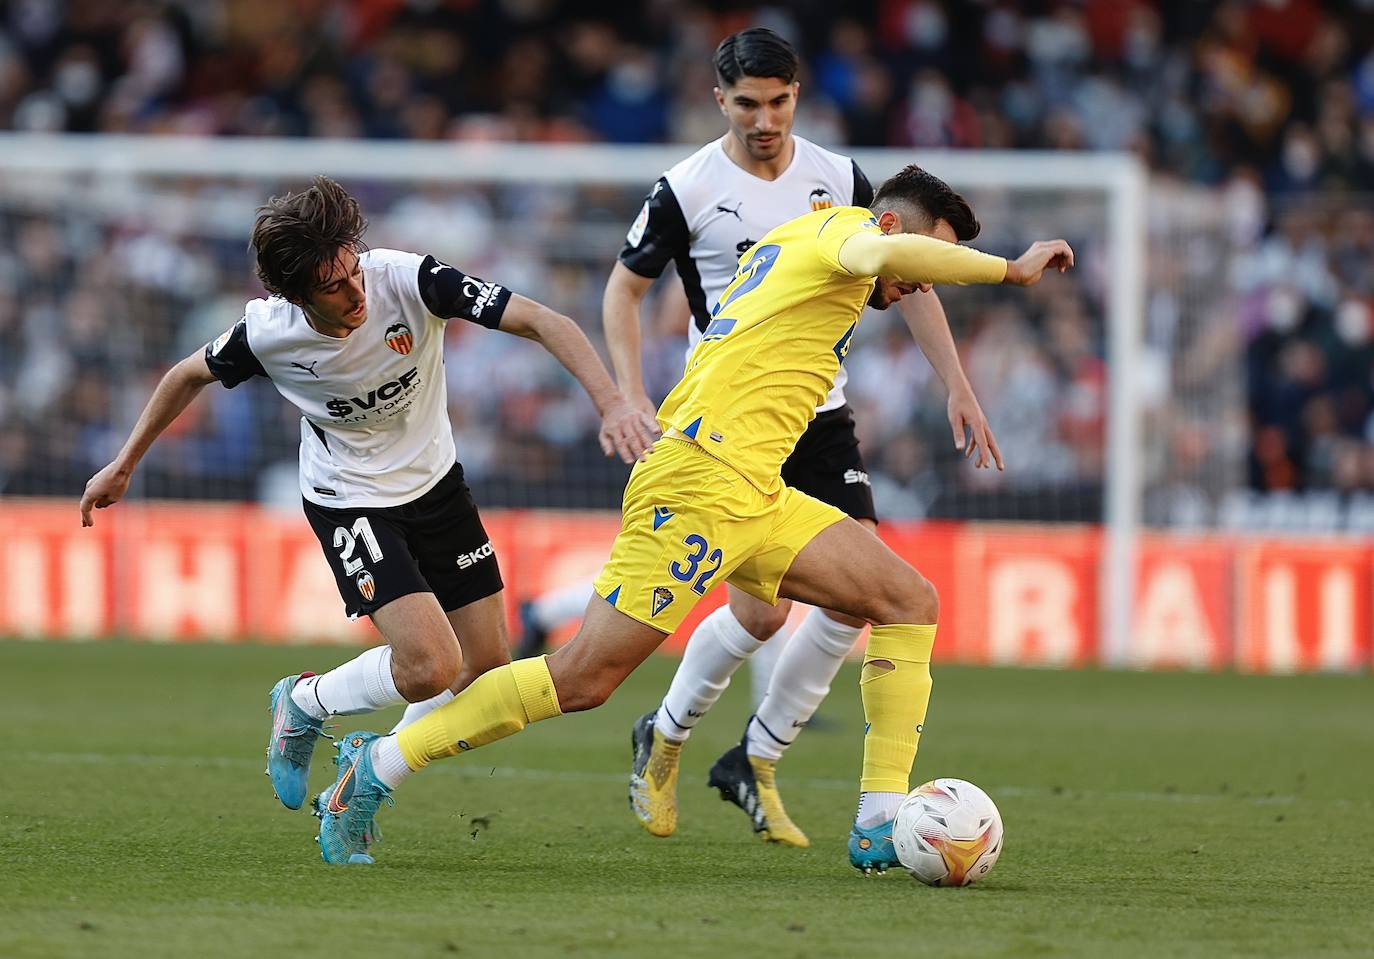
x,y
498,704
895,687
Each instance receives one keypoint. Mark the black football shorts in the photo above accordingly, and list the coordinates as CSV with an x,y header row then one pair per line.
x,y
435,544
826,464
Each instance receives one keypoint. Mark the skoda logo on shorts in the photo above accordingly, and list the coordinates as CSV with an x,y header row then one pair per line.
x,y
399,338
366,585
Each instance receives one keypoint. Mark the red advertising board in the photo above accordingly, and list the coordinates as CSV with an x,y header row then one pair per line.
x,y
1303,606
1015,595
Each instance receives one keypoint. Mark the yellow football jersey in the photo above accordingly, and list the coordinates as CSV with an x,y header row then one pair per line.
x,y
775,342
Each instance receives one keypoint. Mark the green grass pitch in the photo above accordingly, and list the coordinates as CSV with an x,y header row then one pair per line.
x,y
1146,815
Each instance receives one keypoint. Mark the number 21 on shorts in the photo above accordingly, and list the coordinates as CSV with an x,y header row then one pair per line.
x,y
687,570
346,540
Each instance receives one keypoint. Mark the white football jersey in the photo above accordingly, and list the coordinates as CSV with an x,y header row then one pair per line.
x,y
374,410
706,212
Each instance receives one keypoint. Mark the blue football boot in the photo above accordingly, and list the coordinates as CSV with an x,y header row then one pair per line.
x,y
291,744
871,850
346,810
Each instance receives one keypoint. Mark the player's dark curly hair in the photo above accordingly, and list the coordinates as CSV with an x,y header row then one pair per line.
x,y
756,52
928,196
298,235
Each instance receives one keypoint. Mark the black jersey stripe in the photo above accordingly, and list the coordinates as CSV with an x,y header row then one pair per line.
x,y
691,285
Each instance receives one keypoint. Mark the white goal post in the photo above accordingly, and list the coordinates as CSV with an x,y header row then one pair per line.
x,y
1119,178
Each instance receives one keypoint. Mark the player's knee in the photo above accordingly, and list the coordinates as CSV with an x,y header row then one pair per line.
x,y
906,598
762,622
428,675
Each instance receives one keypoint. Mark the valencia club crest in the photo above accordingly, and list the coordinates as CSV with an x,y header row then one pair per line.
x,y
399,338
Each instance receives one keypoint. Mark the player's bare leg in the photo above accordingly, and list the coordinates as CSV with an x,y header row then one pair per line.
x,y
420,658
847,568
485,643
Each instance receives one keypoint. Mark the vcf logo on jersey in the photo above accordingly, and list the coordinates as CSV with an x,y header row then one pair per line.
x,y
367,586
821,199
399,338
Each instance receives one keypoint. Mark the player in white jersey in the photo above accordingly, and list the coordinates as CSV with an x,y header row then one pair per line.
x,y
354,339
703,215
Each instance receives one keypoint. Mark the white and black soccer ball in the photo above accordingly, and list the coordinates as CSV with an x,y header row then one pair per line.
x,y
948,833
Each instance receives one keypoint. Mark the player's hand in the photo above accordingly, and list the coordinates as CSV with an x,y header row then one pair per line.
x,y
103,489
1042,255
628,431
641,402
972,434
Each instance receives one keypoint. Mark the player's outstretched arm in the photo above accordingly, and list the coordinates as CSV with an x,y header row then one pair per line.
x,y
916,258
174,393
1042,255
620,305
625,430
925,317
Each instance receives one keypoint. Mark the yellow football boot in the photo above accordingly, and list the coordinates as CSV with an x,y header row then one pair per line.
x,y
653,778
748,782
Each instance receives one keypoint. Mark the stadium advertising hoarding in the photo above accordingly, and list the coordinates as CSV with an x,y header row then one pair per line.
x,y
1010,595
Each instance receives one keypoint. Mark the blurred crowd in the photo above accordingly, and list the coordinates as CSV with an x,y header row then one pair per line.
x,y
1255,116
1285,87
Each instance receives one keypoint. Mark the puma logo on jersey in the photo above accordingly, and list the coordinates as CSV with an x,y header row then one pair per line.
x,y
346,406
734,213
309,369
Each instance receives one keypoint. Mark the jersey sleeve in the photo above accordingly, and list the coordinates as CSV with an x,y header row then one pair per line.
x,y
838,227
230,358
863,190
450,293
658,234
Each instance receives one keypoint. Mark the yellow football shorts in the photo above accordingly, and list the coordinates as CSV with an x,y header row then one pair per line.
x,y
688,522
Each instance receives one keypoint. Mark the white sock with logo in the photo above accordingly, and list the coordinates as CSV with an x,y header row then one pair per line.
x,y
419,710
388,762
801,680
360,685
717,648
877,808
560,606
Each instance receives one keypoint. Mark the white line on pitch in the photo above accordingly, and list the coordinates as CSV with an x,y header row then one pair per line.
x,y
473,770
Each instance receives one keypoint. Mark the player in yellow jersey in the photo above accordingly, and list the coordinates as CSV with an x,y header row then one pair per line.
x,y
709,504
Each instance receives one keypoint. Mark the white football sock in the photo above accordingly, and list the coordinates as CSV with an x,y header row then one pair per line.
x,y
877,808
714,651
360,685
418,710
553,609
801,680
762,664
388,762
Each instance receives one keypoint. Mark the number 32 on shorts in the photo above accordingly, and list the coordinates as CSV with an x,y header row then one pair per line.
x,y
687,570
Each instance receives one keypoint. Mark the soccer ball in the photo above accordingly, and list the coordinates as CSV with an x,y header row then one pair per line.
x,y
947,833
